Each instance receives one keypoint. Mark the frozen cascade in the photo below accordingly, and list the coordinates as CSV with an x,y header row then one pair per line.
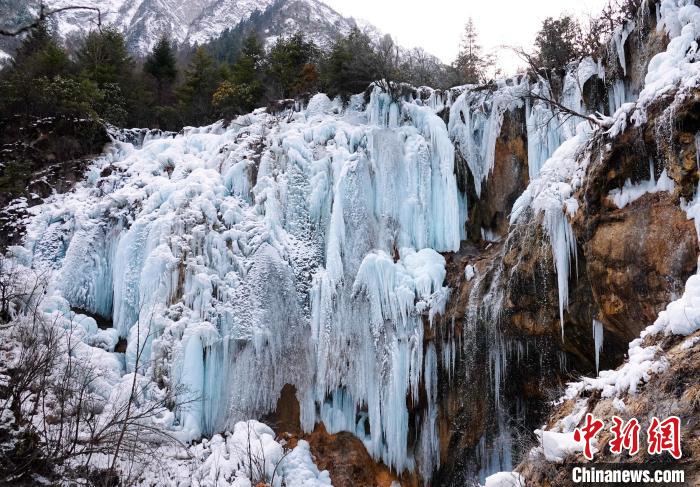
x,y
218,252
475,122
543,136
548,129
619,95
550,193
598,341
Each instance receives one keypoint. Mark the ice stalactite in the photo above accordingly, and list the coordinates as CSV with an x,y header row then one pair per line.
x,y
547,127
543,136
430,446
618,95
598,342
619,37
388,326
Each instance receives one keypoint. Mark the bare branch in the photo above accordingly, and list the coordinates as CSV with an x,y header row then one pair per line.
x,y
45,13
566,110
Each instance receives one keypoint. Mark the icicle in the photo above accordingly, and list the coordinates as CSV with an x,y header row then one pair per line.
x,y
633,191
598,341
619,38
430,440
563,243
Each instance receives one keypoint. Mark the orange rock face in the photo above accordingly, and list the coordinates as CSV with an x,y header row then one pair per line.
x,y
637,259
342,454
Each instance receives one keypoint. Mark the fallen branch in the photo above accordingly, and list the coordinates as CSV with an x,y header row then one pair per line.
x,y
568,112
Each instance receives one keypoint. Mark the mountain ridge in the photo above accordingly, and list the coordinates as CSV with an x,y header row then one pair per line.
x,y
192,23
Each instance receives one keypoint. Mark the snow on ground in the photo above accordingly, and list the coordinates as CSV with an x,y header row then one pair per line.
x,y
505,479
242,458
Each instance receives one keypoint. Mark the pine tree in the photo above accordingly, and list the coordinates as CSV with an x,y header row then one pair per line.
x,y
248,67
161,64
558,42
195,95
244,91
286,63
350,66
41,55
104,58
41,81
471,63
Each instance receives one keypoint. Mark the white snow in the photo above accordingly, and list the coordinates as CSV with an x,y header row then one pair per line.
x,y
690,343
676,69
505,479
190,23
243,457
469,272
633,191
5,58
557,446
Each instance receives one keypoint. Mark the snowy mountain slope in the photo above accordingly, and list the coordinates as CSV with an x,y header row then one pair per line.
x,y
190,22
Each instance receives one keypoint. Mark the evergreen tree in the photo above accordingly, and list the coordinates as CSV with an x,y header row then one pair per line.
x,y
248,68
244,90
471,62
162,66
41,81
350,66
286,63
195,94
40,55
557,43
103,58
